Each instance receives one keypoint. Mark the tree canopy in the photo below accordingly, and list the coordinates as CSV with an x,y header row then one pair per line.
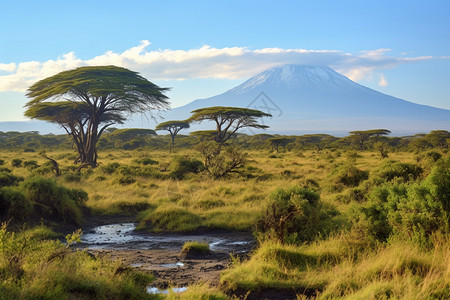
x,y
173,127
228,120
360,137
87,100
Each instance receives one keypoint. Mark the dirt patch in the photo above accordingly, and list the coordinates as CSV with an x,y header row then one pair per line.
x,y
161,254
170,268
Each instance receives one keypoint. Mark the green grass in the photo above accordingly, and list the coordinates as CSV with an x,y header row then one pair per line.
x,y
195,247
347,260
34,266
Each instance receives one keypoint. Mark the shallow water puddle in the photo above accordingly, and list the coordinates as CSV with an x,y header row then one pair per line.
x,y
155,290
124,236
222,244
171,266
111,234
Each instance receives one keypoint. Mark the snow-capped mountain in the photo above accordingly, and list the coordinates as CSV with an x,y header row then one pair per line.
x,y
318,99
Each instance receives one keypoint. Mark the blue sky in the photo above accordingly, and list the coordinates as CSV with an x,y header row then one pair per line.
x,y
203,48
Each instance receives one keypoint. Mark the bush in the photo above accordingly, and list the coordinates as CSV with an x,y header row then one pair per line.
x,y
220,160
17,162
347,176
292,214
110,168
145,161
8,179
413,211
13,204
54,201
183,165
439,183
125,180
392,170
72,177
6,170
2,162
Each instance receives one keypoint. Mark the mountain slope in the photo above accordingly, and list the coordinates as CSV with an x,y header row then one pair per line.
x,y
315,98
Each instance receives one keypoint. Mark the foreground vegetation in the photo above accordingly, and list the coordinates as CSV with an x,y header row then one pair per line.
x,y
331,221
33,265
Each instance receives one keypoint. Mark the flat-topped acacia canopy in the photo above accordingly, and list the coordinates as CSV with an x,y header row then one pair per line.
x,y
87,100
173,127
229,119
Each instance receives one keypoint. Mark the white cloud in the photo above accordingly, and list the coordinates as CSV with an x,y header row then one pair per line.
x,y
11,67
205,62
383,82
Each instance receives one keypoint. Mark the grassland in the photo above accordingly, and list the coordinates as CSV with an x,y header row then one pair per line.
x,y
378,228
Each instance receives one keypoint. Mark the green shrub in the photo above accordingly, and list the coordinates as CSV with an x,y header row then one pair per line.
x,y
182,165
2,162
439,183
6,170
8,179
13,204
125,180
392,170
72,177
291,215
30,164
413,211
54,201
145,161
347,176
17,162
170,218
110,168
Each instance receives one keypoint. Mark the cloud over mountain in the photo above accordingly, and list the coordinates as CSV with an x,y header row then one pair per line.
x,y
205,62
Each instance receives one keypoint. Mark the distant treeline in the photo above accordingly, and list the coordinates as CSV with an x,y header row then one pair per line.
x,y
132,139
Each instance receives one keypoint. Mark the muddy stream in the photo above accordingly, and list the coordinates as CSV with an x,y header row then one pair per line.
x,y
161,255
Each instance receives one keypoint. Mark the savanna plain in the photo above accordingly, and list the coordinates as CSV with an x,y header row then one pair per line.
x,y
330,218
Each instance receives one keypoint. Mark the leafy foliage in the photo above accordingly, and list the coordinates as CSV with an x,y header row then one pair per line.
x,y
98,97
54,201
292,215
173,127
228,120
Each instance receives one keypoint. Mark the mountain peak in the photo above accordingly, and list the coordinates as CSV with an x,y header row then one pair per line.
x,y
295,76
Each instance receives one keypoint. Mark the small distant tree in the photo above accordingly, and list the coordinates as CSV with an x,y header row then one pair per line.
x,y
173,127
438,138
228,120
130,138
318,141
277,142
358,138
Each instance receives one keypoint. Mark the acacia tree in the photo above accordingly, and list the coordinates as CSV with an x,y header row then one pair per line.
x,y
228,120
173,127
87,100
358,138
277,142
